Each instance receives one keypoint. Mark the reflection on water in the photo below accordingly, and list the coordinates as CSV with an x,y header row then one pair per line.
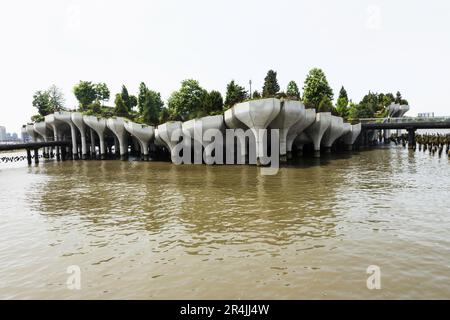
x,y
156,230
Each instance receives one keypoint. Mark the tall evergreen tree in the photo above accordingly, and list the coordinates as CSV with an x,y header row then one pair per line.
x,y
271,87
235,94
120,109
292,91
342,103
142,96
130,101
315,88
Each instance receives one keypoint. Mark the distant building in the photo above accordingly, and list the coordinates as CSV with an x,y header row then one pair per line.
x,y
426,115
6,136
2,133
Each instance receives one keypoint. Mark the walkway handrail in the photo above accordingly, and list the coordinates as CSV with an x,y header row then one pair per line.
x,y
405,119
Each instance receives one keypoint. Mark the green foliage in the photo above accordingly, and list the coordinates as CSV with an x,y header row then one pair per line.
x,y
342,104
85,93
41,100
315,88
129,100
256,95
399,99
214,103
325,105
120,109
37,118
271,87
188,102
56,99
372,105
102,92
48,101
149,104
235,94
142,96
151,107
292,91
164,115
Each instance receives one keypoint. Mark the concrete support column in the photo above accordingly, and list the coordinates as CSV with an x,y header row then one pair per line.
x,y
73,133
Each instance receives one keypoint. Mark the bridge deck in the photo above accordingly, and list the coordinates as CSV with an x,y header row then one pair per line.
x,y
33,145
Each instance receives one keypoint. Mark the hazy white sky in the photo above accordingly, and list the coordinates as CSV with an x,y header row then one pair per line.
x,y
363,45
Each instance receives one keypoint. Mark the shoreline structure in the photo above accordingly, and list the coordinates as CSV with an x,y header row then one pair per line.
x,y
242,133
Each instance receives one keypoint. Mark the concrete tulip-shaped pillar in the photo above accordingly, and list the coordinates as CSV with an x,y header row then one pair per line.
x,y
143,133
231,121
316,131
98,125
77,120
301,140
170,134
116,125
350,137
31,132
158,141
92,138
44,131
298,128
257,115
291,112
347,127
54,124
333,133
65,117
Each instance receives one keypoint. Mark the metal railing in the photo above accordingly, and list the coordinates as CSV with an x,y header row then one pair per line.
x,y
405,120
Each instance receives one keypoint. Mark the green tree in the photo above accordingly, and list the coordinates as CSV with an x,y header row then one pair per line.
x,y
151,107
56,99
41,100
342,103
102,92
188,102
398,97
164,115
292,91
271,87
315,88
142,95
85,93
325,105
256,95
214,103
235,94
129,100
120,109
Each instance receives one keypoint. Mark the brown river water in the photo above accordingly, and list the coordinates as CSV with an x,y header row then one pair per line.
x,y
153,230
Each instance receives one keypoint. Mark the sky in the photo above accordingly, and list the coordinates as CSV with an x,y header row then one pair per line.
x,y
382,46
